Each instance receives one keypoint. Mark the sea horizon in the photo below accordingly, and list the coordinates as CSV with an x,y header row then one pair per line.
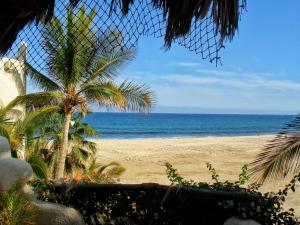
x,y
192,113
117,125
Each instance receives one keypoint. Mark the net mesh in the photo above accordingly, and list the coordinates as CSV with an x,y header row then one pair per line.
x,y
142,19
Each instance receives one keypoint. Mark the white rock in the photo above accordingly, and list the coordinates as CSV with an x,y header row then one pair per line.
x,y
14,170
5,151
55,214
239,221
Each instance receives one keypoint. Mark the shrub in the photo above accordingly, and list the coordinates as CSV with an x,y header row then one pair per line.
x,y
268,210
15,207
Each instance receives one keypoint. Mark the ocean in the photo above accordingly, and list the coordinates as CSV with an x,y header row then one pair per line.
x,y
164,125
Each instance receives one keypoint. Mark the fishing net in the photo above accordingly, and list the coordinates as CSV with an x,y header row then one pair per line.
x,y
142,19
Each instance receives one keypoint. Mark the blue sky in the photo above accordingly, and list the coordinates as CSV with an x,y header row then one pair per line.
x,y
260,70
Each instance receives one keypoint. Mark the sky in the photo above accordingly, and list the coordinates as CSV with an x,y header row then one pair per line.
x,y
259,74
260,71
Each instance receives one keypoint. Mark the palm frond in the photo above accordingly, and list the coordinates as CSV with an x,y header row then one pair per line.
x,y
80,129
281,157
84,39
59,43
115,171
39,166
138,97
29,122
104,93
4,132
5,127
107,59
104,167
35,99
41,80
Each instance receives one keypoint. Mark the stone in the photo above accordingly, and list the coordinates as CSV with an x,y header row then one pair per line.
x,y
5,151
239,221
55,214
14,170
29,193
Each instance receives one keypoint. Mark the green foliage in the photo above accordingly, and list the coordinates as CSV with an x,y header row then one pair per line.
x,y
39,166
45,190
4,126
177,180
103,174
280,157
17,131
214,175
47,138
15,208
267,210
243,176
81,69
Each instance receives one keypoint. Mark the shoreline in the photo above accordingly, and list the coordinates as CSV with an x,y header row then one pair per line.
x,y
182,137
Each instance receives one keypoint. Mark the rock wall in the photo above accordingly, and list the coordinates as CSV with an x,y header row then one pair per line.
x,y
13,170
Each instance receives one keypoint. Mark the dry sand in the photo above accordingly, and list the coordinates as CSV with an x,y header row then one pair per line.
x,y
144,159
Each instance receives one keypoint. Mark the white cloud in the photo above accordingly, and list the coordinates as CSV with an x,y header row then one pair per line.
x,y
185,64
241,81
230,90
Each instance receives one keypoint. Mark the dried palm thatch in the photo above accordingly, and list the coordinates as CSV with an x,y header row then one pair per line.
x,y
180,14
281,157
15,15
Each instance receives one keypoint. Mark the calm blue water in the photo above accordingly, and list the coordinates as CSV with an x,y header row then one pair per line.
x,y
132,125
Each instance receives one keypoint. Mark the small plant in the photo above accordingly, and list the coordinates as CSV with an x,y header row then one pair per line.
x,y
268,209
243,176
214,175
15,208
97,173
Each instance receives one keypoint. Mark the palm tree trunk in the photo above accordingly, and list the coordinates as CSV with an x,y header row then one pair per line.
x,y
21,152
60,166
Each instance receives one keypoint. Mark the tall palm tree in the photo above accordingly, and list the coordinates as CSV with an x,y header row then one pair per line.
x,y
81,67
46,143
281,157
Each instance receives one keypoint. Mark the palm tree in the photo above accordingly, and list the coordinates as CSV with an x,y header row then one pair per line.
x,y
81,67
99,173
281,157
16,130
46,143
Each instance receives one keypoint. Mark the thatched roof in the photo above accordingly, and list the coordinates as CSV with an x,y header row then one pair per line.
x,y
16,14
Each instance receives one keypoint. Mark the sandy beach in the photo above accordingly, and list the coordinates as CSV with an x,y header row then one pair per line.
x,y
144,159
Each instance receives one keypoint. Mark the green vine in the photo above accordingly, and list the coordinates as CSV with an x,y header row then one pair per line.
x,y
267,210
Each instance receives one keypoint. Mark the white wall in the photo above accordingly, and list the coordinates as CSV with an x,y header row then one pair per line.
x,y
12,80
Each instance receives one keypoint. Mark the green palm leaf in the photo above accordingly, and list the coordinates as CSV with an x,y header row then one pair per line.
x,y
138,97
26,125
35,99
281,157
39,166
41,80
5,127
107,65
104,94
